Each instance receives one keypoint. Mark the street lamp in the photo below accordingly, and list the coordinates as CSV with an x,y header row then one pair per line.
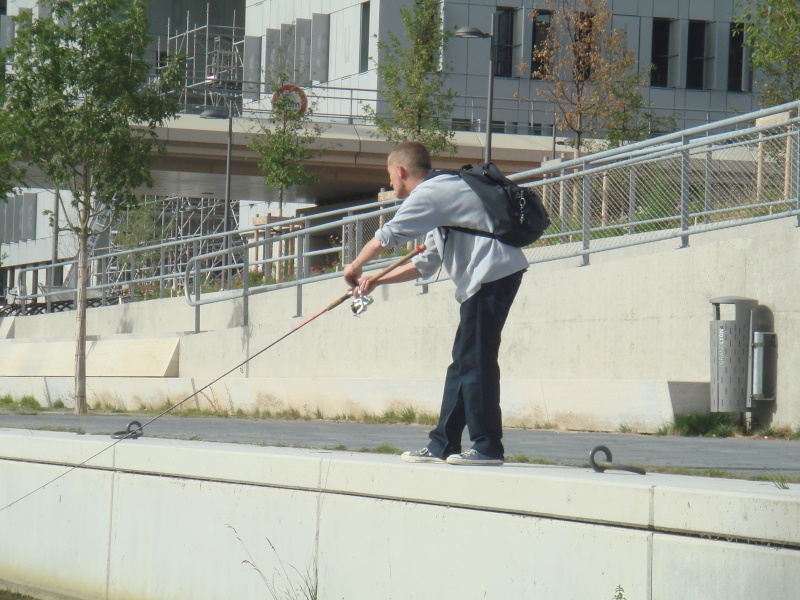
x,y
213,114
474,32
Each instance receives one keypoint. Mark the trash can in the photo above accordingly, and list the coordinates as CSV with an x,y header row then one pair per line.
x,y
730,354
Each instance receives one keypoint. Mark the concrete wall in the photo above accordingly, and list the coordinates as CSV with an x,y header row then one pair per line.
x,y
157,519
623,341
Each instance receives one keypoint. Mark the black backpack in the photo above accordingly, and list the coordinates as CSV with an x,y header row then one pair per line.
x,y
517,214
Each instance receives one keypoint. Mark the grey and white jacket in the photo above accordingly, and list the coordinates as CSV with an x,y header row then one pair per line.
x,y
470,260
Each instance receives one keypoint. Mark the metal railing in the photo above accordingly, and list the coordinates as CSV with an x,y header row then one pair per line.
x,y
737,171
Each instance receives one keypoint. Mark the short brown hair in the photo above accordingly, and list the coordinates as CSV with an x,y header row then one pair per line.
x,y
413,156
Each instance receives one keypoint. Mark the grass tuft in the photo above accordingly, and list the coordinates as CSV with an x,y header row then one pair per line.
x,y
382,449
702,425
522,459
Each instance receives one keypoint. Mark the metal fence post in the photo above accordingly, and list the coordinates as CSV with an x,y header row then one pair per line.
x,y
632,200
104,280
562,209
587,215
132,284
359,234
162,272
345,245
707,189
299,272
196,286
49,278
794,178
685,194
267,253
246,289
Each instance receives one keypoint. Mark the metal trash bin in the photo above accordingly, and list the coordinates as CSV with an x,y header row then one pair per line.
x,y
730,352
743,355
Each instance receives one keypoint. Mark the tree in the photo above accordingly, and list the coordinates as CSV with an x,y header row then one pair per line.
x,y
11,174
628,117
285,140
413,79
81,107
772,32
137,227
590,75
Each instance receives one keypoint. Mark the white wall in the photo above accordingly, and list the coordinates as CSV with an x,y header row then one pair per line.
x,y
623,341
154,519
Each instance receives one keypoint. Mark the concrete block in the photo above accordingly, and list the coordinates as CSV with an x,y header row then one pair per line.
x,y
56,538
184,538
697,569
416,551
742,510
204,520
282,467
574,494
67,449
7,327
134,357
600,405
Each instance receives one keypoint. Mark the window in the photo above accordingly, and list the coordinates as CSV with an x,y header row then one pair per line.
x,y
363,60
3,7
659,76
736,58
462,125
504,42
696,56
541,26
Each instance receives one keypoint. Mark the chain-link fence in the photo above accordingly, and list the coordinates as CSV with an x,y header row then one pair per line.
x,y
735,171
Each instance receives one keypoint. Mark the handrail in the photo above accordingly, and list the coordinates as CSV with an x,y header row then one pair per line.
x,y
674,186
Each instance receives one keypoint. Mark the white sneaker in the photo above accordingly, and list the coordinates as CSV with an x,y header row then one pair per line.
x,y
473,457
420,456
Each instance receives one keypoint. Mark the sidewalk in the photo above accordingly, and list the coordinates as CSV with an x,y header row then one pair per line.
x,y
739,456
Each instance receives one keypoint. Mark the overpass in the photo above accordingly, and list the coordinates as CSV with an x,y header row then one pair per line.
x,y
352,164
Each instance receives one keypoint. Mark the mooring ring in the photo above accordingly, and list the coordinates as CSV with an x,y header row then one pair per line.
x,y
133,431
611,465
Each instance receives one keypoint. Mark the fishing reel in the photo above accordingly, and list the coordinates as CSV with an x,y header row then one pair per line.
x,y
360,304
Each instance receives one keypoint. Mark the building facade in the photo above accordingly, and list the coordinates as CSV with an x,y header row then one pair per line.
x,y
700,69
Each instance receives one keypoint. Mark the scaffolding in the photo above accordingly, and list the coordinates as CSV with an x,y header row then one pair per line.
x,y
214,63
194,225
212,78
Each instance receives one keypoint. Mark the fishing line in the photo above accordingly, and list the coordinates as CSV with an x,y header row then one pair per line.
x,y
358,308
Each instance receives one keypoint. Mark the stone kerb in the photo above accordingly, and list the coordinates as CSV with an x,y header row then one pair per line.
x,y
357,518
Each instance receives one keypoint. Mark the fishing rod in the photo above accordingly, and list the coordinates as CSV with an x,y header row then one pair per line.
x,y
360,304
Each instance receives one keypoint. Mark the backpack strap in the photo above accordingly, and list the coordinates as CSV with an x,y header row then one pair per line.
x,y
445,228
471,231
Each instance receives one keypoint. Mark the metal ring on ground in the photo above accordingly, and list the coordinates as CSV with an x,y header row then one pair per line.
x,y
611,465
133,431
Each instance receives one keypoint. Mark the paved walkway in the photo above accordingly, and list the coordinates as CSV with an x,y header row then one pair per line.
x,y
735,455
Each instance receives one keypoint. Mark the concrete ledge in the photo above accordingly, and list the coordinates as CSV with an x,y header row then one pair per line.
x,y
599,405
132,357
7,327
168,518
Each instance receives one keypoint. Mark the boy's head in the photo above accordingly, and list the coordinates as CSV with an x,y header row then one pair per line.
x,y
408,165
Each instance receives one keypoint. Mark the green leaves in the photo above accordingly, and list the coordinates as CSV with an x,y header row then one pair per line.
x,y
286,139
772,32
418,104
80,104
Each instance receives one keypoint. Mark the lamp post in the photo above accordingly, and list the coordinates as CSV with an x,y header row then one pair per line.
x,y
474,32
213,114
